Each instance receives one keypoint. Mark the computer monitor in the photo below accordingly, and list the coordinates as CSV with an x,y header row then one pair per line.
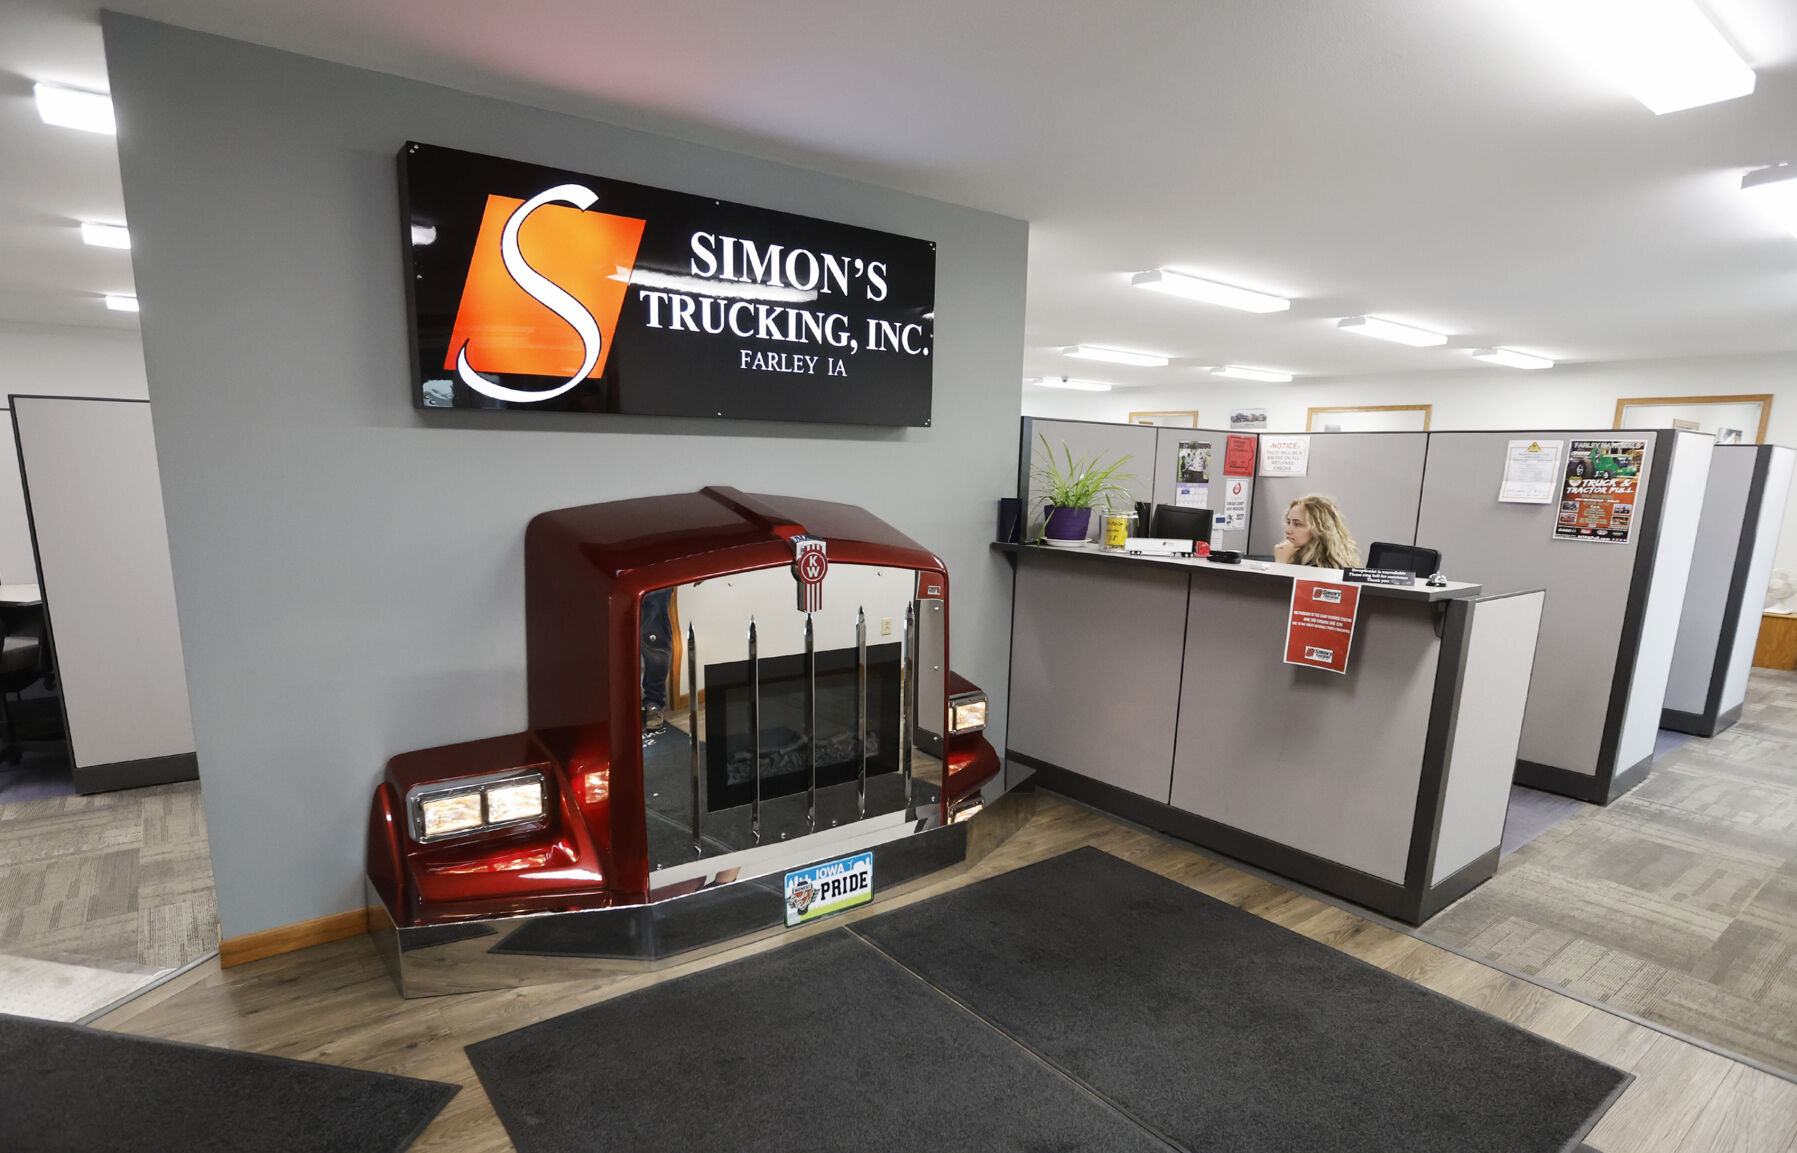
x,y
1176,523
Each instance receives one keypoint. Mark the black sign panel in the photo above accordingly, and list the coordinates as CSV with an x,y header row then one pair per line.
x,y
1378,576
535,288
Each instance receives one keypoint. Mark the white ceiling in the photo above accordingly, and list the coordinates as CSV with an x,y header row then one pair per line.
x,y
1443,164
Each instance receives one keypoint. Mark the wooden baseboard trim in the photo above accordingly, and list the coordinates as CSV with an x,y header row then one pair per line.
x,y
287,938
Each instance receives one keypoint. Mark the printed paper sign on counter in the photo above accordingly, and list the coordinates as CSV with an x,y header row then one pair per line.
x,y
1321,628
1238,456
1597,494
1235,503
1531,468
1285,456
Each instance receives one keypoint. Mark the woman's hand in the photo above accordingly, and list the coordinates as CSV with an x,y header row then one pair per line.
x,y
1282,552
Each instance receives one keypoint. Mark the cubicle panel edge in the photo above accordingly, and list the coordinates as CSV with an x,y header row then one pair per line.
x,y
1476,742
1743,513
1651,630
1723,548
1781,465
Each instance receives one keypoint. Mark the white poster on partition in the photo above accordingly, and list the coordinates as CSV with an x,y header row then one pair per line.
x,y
1235,503
1285,456
1531,470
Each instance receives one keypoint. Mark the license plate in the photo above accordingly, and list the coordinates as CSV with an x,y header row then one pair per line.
x,y
828,888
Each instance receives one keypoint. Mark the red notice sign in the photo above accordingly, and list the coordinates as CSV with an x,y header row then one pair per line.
x,y
1322,624
1238,456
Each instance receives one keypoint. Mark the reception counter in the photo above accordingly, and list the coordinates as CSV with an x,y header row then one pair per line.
x,y
1156,688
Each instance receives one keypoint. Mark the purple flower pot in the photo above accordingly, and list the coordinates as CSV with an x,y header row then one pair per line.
x,y
1067,523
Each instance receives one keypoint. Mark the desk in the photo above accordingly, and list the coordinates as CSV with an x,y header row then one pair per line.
x,y
1777,644
1156,688
21,594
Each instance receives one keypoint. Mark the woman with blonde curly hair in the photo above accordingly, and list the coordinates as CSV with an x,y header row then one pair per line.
x,y
1316,534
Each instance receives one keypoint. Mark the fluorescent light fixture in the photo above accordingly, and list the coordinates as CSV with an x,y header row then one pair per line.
x,y
423,234
73,108
1775,191
1068,382
119,303
105,235
1664,53
1208,291
1115,355
1390,330
1510,358
1243,372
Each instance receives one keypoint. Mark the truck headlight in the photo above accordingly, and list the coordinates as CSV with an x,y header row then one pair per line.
x,y
444,815
522,801
464,806
967,714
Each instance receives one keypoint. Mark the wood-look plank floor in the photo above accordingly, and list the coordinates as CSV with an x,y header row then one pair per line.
x,y
111,880
336,1003
1677,902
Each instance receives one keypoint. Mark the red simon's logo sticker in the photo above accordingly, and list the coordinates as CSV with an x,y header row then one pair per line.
x,y
544,291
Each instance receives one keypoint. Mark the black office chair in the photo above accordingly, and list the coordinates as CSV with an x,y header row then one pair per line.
x,y
21,666
1403,558
1144,518
1176,523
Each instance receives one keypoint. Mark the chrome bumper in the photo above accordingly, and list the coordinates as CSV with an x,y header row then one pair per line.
x,y
539,948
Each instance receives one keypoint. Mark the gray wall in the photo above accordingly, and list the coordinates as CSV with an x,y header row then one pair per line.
x,y
349,571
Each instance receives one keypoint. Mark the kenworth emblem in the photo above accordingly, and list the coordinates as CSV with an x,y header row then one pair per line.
x,y
809,564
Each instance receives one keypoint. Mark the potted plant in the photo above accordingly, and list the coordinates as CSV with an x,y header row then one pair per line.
x,y
1071,487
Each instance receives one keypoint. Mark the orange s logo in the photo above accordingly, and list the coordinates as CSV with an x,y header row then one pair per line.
x,y
578,270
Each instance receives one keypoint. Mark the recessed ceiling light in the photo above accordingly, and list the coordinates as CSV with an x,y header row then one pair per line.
x,y
1243,372
73,108
121,303
1068,382
105,235
1115,355
1775,191
1664,53
1391,330
1510,358
423,234
1209,291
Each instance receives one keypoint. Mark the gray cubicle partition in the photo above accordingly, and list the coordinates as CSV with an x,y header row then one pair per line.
x,y
1085,438
1371,475
95,504
1743,510
1612,610
1166,478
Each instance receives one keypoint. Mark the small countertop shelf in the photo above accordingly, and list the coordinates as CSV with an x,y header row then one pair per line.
x,y
1249,569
